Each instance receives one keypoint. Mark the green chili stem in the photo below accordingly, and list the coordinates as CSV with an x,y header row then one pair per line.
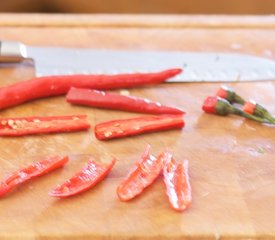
x,y
239,112
238,99
262,112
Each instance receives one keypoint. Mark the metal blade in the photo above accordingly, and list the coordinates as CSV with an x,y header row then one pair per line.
x,y
198,66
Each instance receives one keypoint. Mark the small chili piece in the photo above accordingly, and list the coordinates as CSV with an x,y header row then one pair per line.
x,y
251,107
220,106
176,179
40,125
85,179
143,174
133,126
230,95
101,99
41,87
34,170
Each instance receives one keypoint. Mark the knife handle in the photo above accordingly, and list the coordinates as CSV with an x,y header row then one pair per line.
x,y
12,52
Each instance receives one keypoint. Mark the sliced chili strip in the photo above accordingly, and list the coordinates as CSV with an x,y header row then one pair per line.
x,y
85,179
101,99
40,125
143,174
177,183
34,170
133,126
41,87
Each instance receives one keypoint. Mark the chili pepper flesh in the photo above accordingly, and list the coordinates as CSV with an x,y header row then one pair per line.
x,y
85,179
133,126
143,174
41,125
101,99
176,179
34,170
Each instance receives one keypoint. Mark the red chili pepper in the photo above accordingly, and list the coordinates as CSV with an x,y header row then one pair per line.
x,y
35,170
249,107
209,104
40,125
85,179
101,99
144,173
230,95
138,125
57,85
177,183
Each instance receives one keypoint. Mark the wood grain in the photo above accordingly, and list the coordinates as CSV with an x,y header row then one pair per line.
x,y
232,164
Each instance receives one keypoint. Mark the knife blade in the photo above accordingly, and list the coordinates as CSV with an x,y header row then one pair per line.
x,y
198,66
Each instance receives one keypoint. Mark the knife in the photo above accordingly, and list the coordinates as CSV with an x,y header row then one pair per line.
x,y
198,66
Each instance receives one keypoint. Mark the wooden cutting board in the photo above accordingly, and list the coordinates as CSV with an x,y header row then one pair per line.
x,y
232,165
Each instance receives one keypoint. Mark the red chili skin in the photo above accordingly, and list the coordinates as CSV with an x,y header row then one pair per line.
x,y
209,105
143,174
42,125
222,92
41,87
101,99
85,179
176,179
249,107
35,170
133,126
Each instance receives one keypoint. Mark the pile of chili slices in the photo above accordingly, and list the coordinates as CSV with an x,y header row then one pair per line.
x,y
142,175
87,90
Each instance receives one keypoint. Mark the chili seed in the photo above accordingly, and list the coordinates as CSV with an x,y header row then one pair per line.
x,y
108,134
124,92
75,118
10,122
36,120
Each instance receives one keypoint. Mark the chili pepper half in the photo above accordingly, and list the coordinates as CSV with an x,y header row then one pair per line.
x,y
41,125
85,179
35,170
176,179
144,173
41,87
251,107
101,99
230,95
138,125
220,106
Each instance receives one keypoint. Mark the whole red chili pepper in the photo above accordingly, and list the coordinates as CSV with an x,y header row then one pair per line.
x,y
57,85
220,106
85,179
138,125
101,99
230,95
176,179
40,125
251,107
35,170
144,173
